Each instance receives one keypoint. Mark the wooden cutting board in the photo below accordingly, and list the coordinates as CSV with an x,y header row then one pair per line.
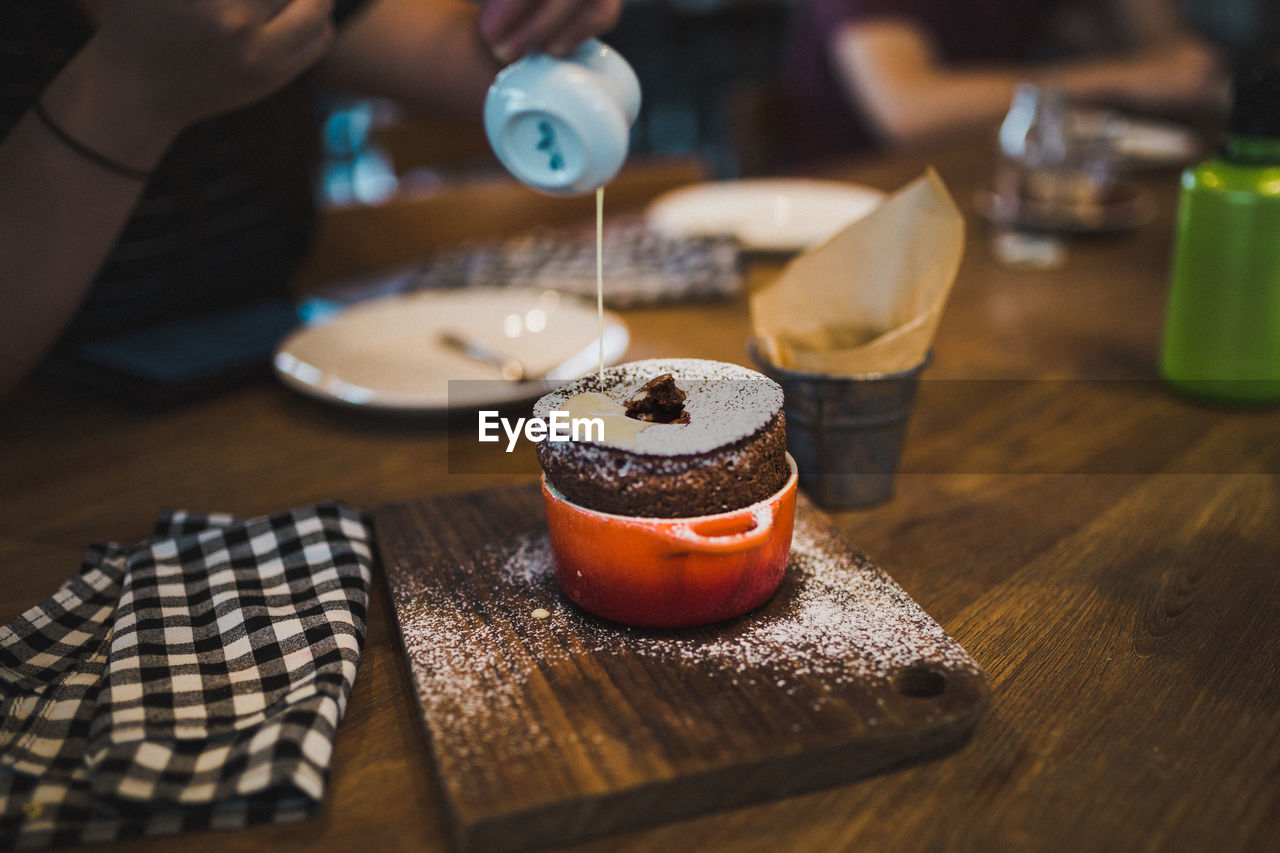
x,y
551,730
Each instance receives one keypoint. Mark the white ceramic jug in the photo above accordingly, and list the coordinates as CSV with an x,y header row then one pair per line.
x,y
562,126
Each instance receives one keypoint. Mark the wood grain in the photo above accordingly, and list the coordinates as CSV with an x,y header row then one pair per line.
x,y
1113,566
548,730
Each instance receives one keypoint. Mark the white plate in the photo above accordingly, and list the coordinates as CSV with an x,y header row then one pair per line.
x,y
765,214
1158,143
1144,141
386,353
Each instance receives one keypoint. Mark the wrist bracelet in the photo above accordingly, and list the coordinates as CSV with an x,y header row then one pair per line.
x,y
84,150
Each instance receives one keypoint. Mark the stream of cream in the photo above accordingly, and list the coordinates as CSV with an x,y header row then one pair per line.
x,y
600,274
618,428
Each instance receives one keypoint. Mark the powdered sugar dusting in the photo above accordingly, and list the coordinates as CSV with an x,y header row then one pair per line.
x,y
837,621
846,620
725,402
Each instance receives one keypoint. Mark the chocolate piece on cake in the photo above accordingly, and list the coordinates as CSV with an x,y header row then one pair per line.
x,y
725,450
660,401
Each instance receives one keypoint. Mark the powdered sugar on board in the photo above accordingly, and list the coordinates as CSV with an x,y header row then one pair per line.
x,y
838,622
547,725
846,620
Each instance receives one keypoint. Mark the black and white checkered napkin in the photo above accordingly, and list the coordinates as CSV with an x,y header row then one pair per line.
x,y
641,267
193,681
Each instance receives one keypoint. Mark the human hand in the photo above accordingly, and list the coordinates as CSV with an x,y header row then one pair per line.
x,y
186,60
512,28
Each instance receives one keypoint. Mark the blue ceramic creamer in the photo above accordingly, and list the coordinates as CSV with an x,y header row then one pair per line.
x,y
562,126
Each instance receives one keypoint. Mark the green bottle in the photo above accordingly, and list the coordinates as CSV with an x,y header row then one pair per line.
x,y
1222,330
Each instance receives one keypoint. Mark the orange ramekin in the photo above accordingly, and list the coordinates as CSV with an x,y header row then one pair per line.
x,y
671,572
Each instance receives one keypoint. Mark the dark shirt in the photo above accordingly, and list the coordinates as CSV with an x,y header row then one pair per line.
x,y
963,32
226,216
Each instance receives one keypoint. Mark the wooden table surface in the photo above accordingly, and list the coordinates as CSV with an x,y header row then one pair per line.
x,y
1109,552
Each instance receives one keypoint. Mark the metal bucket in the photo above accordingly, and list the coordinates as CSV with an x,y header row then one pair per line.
x,y
845,432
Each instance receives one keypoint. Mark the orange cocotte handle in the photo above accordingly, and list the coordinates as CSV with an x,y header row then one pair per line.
x,y
671,572
731,533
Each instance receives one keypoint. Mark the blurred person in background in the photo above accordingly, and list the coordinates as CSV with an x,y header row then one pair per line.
x,y
867,74
157,157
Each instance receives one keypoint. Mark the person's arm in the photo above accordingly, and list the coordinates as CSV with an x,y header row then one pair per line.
x,y
60,213
892,72
443,54
152,68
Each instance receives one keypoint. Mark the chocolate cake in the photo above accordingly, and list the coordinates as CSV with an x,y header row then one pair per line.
x,y
683,437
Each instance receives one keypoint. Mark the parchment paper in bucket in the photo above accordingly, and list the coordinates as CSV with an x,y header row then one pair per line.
x,y
869,299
